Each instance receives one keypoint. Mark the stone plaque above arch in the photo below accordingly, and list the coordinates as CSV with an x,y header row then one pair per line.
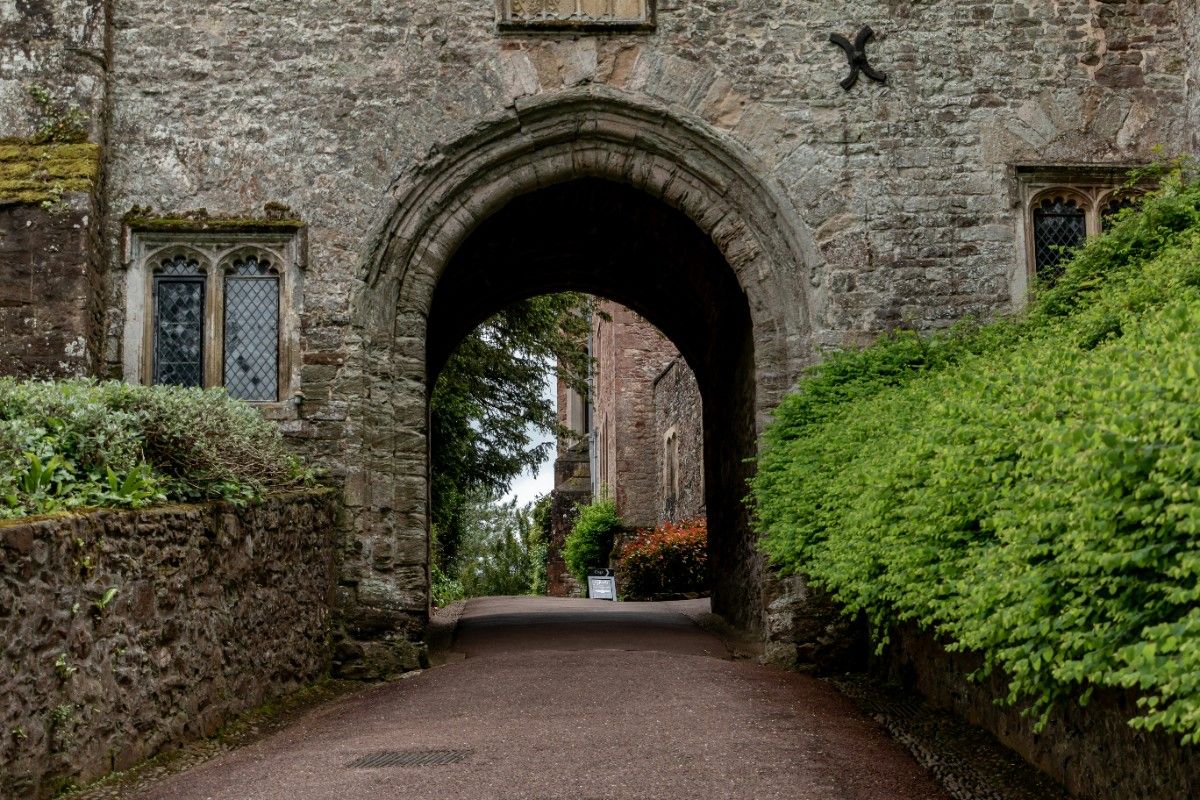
x,y
576,15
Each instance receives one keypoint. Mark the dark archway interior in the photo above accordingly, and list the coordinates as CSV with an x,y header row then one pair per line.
x,y
612,240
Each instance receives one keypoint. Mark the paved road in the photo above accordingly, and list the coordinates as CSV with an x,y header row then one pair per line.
x,y
578,700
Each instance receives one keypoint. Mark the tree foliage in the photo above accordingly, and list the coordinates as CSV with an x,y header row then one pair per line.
x,y
488,405
1029,489
502,552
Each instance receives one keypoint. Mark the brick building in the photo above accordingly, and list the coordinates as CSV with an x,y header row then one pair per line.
x,y
638,437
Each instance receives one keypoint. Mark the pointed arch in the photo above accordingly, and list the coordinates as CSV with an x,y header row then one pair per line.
x,y
592,132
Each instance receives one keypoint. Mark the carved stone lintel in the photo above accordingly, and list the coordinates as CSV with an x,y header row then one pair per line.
x,y
576,15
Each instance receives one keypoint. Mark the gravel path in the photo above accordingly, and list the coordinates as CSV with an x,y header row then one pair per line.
x,y
575,699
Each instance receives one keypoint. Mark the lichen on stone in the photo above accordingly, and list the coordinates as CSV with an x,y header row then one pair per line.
x,y
276,217
41,173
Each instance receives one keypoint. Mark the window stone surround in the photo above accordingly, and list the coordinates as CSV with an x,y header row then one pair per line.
x,y
215,250
1092,187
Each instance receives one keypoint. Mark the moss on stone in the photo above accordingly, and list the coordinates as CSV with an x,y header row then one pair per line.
x,y
43,173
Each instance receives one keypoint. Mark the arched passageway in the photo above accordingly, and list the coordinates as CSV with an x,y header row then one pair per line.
x,y
583,191
611,240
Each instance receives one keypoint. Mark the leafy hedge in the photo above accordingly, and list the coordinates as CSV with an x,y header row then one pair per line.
x,y
80,444
670,559
1029,489
591,538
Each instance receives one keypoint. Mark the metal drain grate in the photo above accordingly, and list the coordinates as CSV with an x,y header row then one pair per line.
x,y
409,758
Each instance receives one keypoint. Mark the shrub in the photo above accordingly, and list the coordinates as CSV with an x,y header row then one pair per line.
x,y
79,444
591,539
502,551
1029,489
671,559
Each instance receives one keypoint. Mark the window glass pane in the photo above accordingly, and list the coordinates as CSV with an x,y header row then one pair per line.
x,y
179,331
1059,226
252,331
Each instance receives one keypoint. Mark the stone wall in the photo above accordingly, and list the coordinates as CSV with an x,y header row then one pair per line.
x,y
359,93
678,411
572,488
51,288
1191,23
1091,751
127,632
58,47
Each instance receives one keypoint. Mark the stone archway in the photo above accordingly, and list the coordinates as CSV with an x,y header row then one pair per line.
x,y
672,160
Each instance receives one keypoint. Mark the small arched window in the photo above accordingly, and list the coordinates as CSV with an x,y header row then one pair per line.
x,y
1059,226
251,336
1064,206
1113,205
216,307
179,290
670,478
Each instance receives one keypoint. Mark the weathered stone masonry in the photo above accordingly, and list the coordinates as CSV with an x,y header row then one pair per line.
x,y
395,129
127,632
410,136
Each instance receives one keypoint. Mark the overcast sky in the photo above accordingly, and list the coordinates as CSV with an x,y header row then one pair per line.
x,y
534,483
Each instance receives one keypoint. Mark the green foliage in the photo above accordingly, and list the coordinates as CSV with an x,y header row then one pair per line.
x,y
63,667
1029,489
503,551
103,601
81,444
58,120
489,406
671,559
591,539
443,589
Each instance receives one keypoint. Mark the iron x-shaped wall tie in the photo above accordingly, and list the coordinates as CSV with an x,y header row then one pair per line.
x,y
856,53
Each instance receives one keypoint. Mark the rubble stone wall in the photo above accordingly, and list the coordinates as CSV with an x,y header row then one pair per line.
x,y
1092,751
127,632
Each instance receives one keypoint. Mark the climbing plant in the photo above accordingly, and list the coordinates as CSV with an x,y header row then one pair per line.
x,y
1028,489
591,538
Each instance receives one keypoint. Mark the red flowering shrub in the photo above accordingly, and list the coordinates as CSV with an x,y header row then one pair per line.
x,y
671,559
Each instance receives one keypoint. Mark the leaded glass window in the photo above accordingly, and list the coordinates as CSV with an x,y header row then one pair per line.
x,y
179,287
1114,206
251,359
1059,226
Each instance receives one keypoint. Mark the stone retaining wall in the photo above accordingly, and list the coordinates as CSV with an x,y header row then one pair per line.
x,y
216,609
1092,751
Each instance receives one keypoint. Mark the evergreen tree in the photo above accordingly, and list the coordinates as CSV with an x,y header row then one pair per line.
x,y
488,406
